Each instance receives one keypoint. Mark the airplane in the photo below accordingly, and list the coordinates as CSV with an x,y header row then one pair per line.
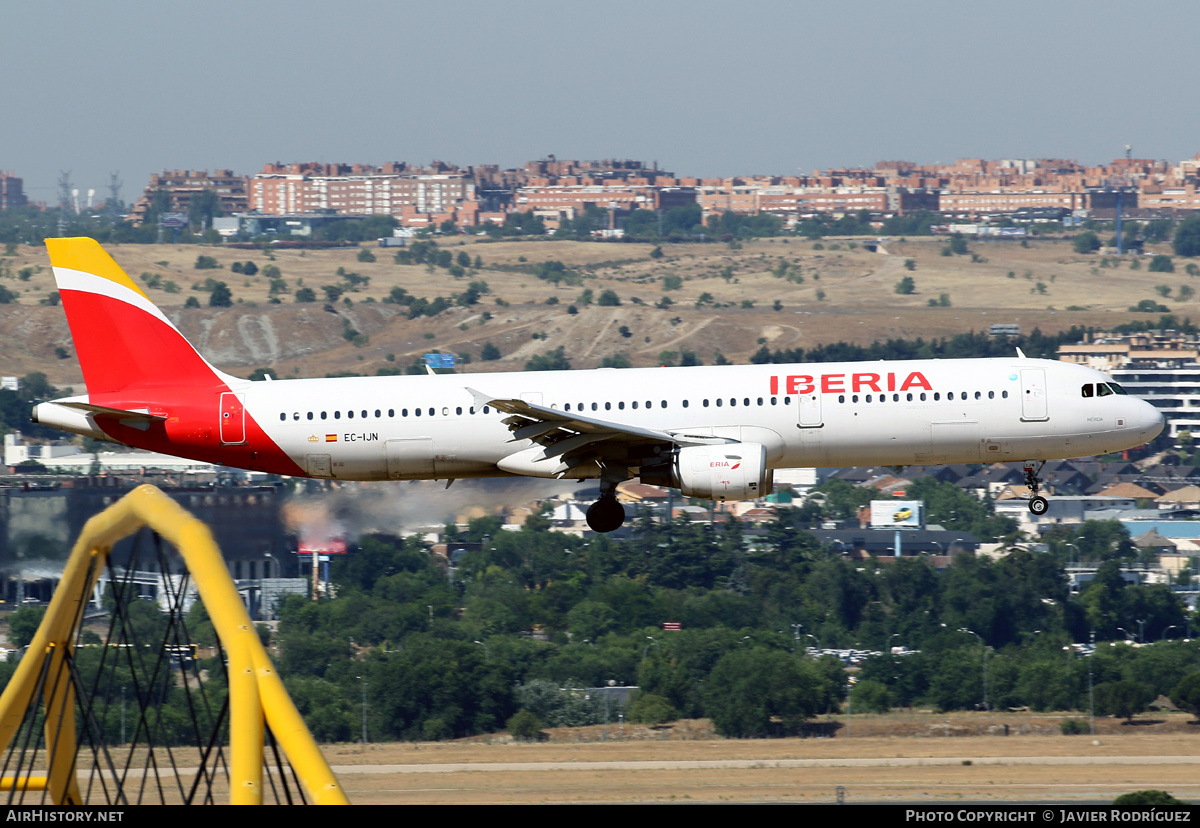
x,y
713,432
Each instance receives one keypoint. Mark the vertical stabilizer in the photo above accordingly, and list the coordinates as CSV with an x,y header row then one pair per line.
x,y
123,341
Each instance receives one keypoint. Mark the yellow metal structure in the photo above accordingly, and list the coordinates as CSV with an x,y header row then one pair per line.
x,y
256,694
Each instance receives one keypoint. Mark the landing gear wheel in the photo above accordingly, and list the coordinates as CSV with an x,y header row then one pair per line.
x,y
605,515
1037,504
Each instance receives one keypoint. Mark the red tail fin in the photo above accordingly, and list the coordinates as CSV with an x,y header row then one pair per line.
x,y
123,340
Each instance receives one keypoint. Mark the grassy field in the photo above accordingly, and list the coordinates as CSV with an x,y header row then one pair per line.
x,y
954,758
828,294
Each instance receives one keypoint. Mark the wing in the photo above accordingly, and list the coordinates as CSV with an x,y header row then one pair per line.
x,y
567,440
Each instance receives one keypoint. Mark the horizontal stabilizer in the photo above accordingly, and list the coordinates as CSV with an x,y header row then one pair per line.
x,y
100,410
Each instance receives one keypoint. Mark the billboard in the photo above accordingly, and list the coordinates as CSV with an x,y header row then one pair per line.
x,y
897,514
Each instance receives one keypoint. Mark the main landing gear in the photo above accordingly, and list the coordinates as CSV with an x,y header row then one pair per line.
x,y
606,514
1037,504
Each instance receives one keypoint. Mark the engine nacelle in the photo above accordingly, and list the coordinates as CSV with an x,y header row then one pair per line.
x,y
734,471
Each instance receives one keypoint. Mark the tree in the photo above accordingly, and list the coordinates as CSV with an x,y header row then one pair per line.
x,y
524,726
206,263
23,623
1123,699
608,298
1161,264
1087,242
306,295
757,692
906,286
221,296
1187,237
489,352
555,360
1186,695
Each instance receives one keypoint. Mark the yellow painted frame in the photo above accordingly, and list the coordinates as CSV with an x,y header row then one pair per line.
x,y
256,692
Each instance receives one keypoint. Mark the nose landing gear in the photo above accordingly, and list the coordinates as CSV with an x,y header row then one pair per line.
x,y
1038,505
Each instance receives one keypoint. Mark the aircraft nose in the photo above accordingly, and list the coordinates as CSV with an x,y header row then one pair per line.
x,y
1149,420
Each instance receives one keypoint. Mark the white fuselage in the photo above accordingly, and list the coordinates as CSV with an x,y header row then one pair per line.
x,y
826,414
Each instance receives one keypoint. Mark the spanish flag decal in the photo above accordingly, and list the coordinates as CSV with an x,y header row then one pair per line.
x,y
330,438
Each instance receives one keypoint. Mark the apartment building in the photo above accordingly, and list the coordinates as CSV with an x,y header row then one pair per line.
x,y
181,186
1161,367
12,191
416,197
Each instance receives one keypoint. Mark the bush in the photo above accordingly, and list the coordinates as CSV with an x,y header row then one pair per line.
x,y
906,286
651,709
1161,264
1141,800
365,255
206,263
1073,727
524,725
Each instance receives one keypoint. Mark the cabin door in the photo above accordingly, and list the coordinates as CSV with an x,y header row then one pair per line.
x,y
1033,395
233,420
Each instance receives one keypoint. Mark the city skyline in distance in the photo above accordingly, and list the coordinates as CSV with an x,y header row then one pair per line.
x,y
703,88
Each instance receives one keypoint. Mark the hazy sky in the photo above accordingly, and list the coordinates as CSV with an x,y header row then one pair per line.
x,y
704,88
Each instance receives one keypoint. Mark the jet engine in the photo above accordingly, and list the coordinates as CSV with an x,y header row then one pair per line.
x,y
735,471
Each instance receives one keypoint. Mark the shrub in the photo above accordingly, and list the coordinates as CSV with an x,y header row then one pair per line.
x,y
524,725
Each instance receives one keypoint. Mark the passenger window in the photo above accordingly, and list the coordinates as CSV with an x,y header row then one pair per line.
x,y
720,402
391,412
685,403
487,409
853,398
324,415
350,415
310,415
296,415
664,404
621,405
416,412
978,395
774,400
378,413
608,406
1004,394
634,403
364,415
458,410
567,407
593,406
991,395
841,398
282,418
431,412
706,403
909,395
760,400
937,395
922,396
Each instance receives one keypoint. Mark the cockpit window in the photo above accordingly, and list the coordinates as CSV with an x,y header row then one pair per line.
x,y
1102,389
1116,389
1087,389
